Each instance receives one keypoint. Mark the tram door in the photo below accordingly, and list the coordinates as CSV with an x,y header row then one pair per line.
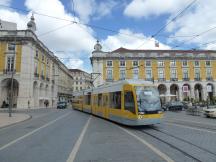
x,y
129,109
105,105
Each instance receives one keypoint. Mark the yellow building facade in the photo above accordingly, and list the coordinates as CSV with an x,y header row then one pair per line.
x,y
178,74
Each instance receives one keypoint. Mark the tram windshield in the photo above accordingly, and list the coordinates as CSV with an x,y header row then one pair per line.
x,y
148,99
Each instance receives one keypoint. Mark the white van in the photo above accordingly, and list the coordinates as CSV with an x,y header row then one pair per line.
x,y
210,112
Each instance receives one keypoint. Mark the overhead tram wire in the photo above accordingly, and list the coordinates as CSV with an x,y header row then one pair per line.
x,y
174,18
197,35
213,42
48,32
76,22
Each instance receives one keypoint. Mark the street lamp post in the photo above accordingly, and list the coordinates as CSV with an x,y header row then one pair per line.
x,y
12,76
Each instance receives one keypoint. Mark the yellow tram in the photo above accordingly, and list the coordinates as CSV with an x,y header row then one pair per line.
x,y
129,102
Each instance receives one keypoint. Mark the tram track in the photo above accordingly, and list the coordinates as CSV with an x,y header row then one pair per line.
x,y
201,126
170,144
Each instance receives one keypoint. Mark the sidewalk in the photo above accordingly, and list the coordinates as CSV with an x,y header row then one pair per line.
x,y
5,120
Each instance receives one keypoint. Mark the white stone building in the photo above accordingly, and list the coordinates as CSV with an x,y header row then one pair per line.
x,y
40,79
82,79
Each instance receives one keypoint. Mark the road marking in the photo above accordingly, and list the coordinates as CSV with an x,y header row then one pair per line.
x,y
32,118
192,122
198,129
78,142
32,132
154,149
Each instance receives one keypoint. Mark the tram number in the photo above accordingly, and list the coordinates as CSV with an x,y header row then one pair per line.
x,y
141,117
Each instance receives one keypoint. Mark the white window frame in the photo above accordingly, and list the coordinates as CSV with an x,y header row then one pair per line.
x,y
137,63
36,67
136,75
206,63
8,45
149,62
108,72
173,63
183,72
160,63
6,61
195,72
208,69
108,64
186,63
195,63
161,73
173,75
148,73
37,54
122,75
121,62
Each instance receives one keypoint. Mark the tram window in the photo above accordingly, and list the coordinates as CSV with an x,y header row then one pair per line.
x,y
88,99
105,100
95,100
99,99
129,102
115,100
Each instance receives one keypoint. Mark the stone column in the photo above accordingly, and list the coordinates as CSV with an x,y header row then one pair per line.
x,y
204,92
168,93
180,93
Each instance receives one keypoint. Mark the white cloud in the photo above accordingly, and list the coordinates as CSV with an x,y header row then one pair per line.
x,y
147,8
194,22
92,9
130,40
75,38
75,64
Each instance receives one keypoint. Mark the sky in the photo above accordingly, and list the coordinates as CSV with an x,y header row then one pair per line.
x,y
132,24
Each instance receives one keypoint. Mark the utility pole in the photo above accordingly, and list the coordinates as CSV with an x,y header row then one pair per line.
x,y
12,76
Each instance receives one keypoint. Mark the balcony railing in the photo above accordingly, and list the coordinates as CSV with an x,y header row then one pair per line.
x,y
123,78
42,77
197,79
209,78
36,75
149,79
161,79
174,79
186,79
109,80
9,71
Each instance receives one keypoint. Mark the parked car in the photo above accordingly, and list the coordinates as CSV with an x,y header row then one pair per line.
x,y
210,112
174,105
61,105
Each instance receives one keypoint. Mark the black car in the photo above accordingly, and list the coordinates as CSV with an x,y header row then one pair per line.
x,y
174,105
61,105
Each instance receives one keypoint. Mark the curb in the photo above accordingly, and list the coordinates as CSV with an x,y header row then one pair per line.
x,y
30,117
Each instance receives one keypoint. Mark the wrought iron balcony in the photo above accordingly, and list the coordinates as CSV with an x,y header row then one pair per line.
x,y
123,78
161,79
9,71
209,78
109,80
149,79
186,79
174,79
197,79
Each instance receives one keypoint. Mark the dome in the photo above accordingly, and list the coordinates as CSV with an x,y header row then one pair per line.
x,y
97,46
31,24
